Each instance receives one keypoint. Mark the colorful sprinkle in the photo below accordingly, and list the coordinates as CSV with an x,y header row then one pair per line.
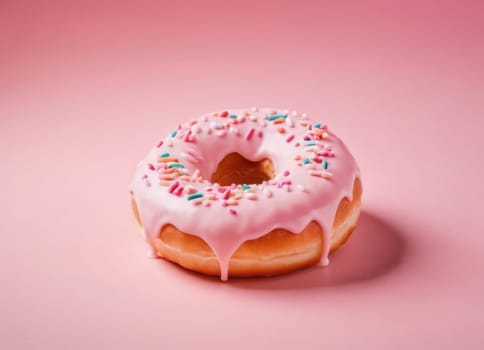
x,y
173,186
290,138
267,192
325,165
286,173
173,133
224,114
317,126
233,116
233,212
281,130
306,161
311,143
220,133
166,154
226,194
276,116
167,160
176,165
188,157
245,187
234,130
151,166
160,144
194,196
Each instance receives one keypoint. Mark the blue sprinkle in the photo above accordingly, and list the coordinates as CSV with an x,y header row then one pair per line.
x,y
317,126
310,143
324,164
233,116
176,165
245,187
195,196
276,116
164,155
173,133
306,161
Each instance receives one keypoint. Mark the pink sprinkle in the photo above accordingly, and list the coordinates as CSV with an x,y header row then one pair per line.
x,y
179,191
260,133
249,134
226,194
160,144
290,138
233,211
190,189
317,159
224,114
233,186
187,136
286,173
144,176
151,166
173,186
286,182
188,157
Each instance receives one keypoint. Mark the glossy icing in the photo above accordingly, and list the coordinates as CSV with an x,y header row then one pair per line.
x,y
313,171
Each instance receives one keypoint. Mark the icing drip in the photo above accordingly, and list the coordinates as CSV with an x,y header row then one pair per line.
x,y
313,171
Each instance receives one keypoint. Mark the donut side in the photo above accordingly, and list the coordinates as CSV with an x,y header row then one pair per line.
x,y
278,252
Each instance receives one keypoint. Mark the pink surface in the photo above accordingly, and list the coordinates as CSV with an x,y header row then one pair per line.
x,y
87,89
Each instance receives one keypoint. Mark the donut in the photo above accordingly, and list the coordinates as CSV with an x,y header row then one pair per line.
x,y
247,192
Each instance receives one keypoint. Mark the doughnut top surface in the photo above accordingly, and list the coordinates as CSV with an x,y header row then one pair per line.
x,y
303,171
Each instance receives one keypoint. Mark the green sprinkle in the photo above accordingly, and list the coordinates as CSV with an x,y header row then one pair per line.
x,y
245,187
306,161
324,164
173,133
176,165
195,196
317,125
276,116
233,116
310,143
164,155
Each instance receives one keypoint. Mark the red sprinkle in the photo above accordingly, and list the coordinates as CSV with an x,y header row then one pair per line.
x,y
187,136
249,134
173,186
233,212
224,114
151,166
290,138
160,144
281,130
226,194
179,191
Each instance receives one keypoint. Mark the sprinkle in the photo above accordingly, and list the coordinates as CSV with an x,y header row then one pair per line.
x,y
290,138
166,154
167,160
310,143
317,159
173,133
325,135
250,195
298,157
294,113
226,194
233,116
325,165
206,203
197,201
217,126
179,191
194,154
301,188
224,114
242,119
297,144
176,165
232,202
287,188
165,183
160,144
188,157
317,126
252,118
315,173
187,137
233,212
260,134
303,123
249,134
211,196
194,196
184,178
195,174
234,130
267,192
151,166
191,189
196,129
173,186
204,118
169,143
286,173
289,122
306,161
326,175
279,121
167,176
307,138
144,176
245,187
220,133
276,116
263,123
281,130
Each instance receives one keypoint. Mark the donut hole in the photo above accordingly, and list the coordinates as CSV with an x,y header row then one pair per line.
x,y
234,168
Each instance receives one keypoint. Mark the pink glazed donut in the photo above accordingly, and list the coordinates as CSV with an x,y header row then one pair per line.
x,y
247,192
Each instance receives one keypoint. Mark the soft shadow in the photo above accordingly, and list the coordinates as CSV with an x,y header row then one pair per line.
x,y
374,249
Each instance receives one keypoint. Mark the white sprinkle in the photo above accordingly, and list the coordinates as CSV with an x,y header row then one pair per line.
x,y
241,119
251,196
164,183
220,133
294,113
197,201
252,118
195,174
325,134
196,129
255,109
267,192
289,122
304,116
301,188
216,126
315,148
189,157
234,130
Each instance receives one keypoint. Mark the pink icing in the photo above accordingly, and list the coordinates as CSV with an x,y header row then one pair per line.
x,y
313,171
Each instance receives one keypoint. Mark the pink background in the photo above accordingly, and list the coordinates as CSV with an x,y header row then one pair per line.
x,y
87,88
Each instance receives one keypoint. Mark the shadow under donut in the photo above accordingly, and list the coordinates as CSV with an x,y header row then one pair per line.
x,y
374,249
